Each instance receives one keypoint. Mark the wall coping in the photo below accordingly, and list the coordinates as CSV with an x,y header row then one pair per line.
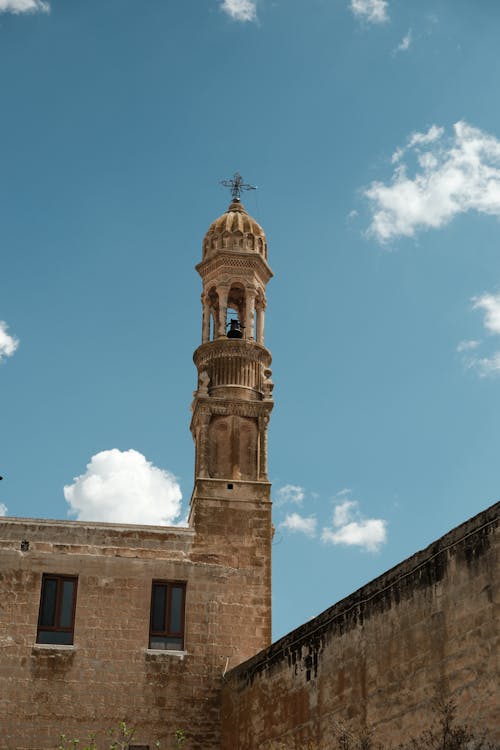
x,y
13,520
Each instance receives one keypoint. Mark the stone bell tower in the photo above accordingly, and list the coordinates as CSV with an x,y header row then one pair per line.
x,y
231,504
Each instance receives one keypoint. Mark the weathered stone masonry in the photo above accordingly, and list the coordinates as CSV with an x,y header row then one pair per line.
x,y
377,659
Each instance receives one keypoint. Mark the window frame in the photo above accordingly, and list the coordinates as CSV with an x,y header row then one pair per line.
x,y
56,627
166,633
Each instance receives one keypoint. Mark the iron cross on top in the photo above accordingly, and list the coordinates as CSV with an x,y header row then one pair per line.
x,y
236,185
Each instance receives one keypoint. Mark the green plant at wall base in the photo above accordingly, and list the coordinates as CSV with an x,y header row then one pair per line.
x,y
180,738
446,732
73,744
118,738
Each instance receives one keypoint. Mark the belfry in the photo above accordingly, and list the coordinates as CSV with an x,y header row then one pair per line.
x,y
233,400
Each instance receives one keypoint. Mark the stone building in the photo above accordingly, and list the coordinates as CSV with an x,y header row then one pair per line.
x,y
103,621
170,628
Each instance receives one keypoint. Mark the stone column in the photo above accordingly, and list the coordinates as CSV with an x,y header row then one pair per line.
x,y
250,311
205,330
260,324
222,292
263,422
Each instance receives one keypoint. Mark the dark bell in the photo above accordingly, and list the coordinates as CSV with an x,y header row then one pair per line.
x,y
235,331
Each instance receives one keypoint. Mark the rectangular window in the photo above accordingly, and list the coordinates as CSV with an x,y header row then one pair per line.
x,y
56,619
166,630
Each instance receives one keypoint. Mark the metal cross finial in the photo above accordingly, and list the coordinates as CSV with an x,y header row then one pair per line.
x,y
237,185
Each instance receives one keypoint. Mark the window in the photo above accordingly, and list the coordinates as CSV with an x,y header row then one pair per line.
x,y
167,615
56,619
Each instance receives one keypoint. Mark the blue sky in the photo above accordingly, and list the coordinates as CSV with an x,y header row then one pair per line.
x,y
372,130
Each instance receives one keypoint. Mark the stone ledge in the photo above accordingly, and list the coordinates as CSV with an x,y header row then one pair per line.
x,y
160,652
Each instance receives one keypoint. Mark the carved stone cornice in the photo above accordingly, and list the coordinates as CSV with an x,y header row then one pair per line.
x,y
224,347
235,261
205,407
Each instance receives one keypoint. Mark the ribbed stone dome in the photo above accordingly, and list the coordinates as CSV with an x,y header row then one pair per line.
x,y
235,231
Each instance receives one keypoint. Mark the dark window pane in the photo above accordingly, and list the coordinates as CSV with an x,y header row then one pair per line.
x,y
55,636
48,603
65,617
175,625
159,604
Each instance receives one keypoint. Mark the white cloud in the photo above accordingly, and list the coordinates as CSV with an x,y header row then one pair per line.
x,y
240,10
421,139
485,366
467,345
24,6
3,510
351,529
343,511
405,42
123,487
455,175
373,11
296,522
8,343
490,303
290,493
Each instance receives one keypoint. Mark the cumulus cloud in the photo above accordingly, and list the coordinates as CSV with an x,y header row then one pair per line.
x,y
351,529
490,304
485,366
3,510
467,345
24,6
453,175
240,10
123,487
8,343
296,522
405,42
373,11
343,511
290,493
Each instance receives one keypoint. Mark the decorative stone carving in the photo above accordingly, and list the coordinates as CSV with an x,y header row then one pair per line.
x,y
203,382
203,446
268,385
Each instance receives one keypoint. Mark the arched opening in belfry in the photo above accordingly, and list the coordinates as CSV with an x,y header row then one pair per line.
x,y
213,301
236,307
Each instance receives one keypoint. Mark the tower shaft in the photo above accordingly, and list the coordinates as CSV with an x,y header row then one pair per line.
x,y
231,501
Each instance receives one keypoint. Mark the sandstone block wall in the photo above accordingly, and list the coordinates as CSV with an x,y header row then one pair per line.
x,y
109,674
377,659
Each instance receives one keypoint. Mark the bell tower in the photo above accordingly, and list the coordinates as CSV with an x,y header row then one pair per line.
x,y
231,503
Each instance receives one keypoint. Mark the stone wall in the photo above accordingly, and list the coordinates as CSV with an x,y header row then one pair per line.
x,y
378,659
110,674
